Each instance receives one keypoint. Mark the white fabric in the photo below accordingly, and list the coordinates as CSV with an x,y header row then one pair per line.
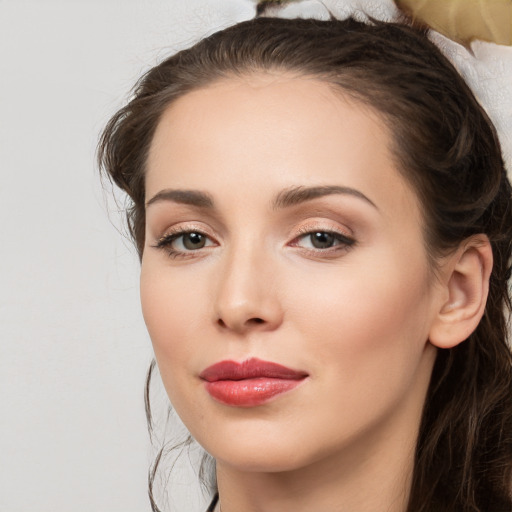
x,y
384,10
488,71
489,74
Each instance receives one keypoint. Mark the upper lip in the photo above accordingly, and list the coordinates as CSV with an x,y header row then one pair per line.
x,y
249,369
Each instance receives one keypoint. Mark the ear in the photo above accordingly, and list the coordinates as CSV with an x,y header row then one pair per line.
x,y
465,286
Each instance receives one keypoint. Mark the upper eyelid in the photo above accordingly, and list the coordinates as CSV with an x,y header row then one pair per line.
x,y
179,233
183,228
302,230
320,224
326,226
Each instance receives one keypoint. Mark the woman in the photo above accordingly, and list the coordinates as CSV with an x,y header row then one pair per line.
x,y
324,223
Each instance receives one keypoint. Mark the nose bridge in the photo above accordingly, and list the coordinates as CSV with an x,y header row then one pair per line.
x,y
245,296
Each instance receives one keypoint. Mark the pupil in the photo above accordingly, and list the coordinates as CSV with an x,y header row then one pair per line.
x,y
194,241
322,240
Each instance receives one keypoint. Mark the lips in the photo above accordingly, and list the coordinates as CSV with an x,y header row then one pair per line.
x,y
250,383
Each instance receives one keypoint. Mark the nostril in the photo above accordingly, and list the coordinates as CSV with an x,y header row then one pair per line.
x,y
250,321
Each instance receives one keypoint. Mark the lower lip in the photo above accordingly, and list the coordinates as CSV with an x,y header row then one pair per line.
x,y
249,392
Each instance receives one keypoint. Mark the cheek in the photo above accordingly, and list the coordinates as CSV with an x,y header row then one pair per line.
x,y
365,321
366,338
173,316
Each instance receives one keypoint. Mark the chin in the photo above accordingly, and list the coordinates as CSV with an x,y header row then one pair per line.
x,y
262,450
261,459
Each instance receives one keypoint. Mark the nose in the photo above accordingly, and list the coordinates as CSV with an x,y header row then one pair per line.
x,y
247,295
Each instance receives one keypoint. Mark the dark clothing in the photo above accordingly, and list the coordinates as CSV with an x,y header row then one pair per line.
x,y
213,503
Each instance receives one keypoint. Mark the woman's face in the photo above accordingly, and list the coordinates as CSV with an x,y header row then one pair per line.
x,y
279,230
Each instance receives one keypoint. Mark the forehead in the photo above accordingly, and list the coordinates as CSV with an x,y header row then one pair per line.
x,y
263,110
269,131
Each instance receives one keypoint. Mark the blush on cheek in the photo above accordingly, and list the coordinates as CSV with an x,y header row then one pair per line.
x,y
370,326
171,318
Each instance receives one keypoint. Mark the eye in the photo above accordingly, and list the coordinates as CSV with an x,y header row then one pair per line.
x,y
322,240
181,242
191,241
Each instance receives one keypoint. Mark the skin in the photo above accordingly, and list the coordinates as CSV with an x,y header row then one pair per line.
x,y
357,318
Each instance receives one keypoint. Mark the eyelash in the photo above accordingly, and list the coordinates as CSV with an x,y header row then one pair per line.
x,y
345,242
165,242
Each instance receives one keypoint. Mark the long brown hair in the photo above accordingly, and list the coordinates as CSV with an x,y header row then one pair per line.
x,y
446,147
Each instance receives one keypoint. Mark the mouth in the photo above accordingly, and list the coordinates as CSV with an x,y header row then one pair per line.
x,y
250,383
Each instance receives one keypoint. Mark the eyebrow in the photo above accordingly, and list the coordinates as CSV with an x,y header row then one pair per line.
x,y
284,199
297,195
190,197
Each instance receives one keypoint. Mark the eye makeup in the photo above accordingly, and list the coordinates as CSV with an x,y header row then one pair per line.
x,y
190,242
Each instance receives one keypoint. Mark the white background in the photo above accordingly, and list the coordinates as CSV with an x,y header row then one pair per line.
x,y
73,347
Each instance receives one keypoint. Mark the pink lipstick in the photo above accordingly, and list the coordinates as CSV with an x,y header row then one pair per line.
x,y
250,383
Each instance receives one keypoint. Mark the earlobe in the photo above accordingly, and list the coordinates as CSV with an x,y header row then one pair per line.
x,y
465,289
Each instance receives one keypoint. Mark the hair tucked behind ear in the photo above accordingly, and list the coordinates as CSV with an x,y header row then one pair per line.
x,y
446,147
